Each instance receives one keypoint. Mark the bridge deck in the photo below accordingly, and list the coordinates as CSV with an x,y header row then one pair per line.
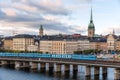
x,y
107,63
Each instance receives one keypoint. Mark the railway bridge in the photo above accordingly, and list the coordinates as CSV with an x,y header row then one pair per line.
x,y
55,64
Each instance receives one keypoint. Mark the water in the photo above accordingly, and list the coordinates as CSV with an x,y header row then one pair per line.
x,y
11,74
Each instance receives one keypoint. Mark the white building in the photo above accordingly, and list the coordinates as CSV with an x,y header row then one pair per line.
x,y
58,46
32,48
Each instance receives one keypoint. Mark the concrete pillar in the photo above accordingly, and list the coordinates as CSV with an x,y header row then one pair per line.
x,y
51,67
88,71
75,67
26,66
42,67
57,67
117,74
104,70
33,66
67,67
4,62
96,70
17,65
75,71
12,64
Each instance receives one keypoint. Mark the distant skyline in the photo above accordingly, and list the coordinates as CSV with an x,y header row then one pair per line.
x,y
58,16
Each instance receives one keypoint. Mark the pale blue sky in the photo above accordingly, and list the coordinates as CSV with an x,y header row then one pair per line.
x,y
59,16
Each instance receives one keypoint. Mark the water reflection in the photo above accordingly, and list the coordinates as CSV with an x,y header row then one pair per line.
x,y
50,75
104,76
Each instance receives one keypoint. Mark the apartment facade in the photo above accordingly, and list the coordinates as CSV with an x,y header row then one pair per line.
x,y
83,45
58,46
32,48
21,42
45,46
111,42
8,43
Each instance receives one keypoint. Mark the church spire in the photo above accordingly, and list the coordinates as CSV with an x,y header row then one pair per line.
x,y
91,18
113,32
41,30
91,27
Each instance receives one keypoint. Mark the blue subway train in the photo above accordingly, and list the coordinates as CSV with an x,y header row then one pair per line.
x,y
54,56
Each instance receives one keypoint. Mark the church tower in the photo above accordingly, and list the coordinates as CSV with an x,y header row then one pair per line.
x,y
91,27
41,31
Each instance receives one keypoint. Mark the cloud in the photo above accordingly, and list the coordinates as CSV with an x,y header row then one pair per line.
x,y
28,15
85,1
9,12
2,14
41,6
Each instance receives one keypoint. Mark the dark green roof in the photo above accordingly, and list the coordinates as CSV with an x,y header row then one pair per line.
x,y
41,27
91,25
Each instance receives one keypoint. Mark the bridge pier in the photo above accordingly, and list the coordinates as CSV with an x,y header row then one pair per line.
x,y
57,67
96,70
42,67
88,71
25,66
17,65
33,66
4,63
75,67
12,64
51,67
75,70
66,67
104,70
117,74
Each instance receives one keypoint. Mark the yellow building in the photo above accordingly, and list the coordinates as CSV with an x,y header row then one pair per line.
x,y
45,46
8,43
58,47
21,42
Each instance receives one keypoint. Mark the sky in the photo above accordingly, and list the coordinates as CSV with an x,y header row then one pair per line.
x,y
58,16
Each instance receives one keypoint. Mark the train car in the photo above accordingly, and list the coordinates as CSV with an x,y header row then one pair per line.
x,y
43,56
84,57
28,55
88,57
60,56
2,54
76,56
64,56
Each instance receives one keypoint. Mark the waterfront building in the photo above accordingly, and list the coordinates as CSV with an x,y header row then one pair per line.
x,y
45,46
102,46
32,48
58,46
8,43
111,39
83,45
21,42
117,44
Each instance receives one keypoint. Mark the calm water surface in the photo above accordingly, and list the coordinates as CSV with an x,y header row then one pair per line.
x,y
11,74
